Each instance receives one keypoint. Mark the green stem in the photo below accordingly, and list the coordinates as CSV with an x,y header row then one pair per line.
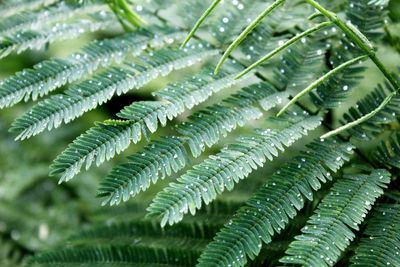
x,y
246,31
323,78
125,15
360,120
131,16
200,21
284,46
360,39
362,42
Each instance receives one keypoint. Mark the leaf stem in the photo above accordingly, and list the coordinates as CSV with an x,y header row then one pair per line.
x,y
284,46
360,120
246,32
323,78
360,39
200,21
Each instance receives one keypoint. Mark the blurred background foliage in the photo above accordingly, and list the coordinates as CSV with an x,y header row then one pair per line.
x,y
36,213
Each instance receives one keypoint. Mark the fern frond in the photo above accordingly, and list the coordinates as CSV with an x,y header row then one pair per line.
x,y
83,150
388,153
246,32
115,256
46,16
200,21
51,74
336,90
370,103
29,39
369,17
322,79
206,127
87,95
203,128
175,98
98,144
235,162
268,211
301,65
167,155
285,45
11,7
381,244
329,231
158,159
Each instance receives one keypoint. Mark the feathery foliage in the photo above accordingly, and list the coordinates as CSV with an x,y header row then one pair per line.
x,y
388,153
329,231
10,7
268,211
162,157
381,244
369,103
234,163
48,75
31,39
302,60
97,146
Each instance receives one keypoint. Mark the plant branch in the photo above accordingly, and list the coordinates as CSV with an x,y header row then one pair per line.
x,y
284,46
322,79
246,32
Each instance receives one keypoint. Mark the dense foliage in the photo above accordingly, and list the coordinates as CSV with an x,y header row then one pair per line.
x,y
269,136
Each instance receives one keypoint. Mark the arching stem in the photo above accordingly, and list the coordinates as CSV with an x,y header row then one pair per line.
x,y
246,31
200,21
362,42
322,79
358,38
284,46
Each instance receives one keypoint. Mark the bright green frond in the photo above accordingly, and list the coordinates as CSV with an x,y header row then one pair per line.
x,y
234,17
87,95
285,45
329,231
213,5
11,7
246,32
300,65
333,92
235,162
269,210
51,74
323,79
175,98
381,243
46,16
96,145
369,16
158,159
336,90
30,39
205,127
